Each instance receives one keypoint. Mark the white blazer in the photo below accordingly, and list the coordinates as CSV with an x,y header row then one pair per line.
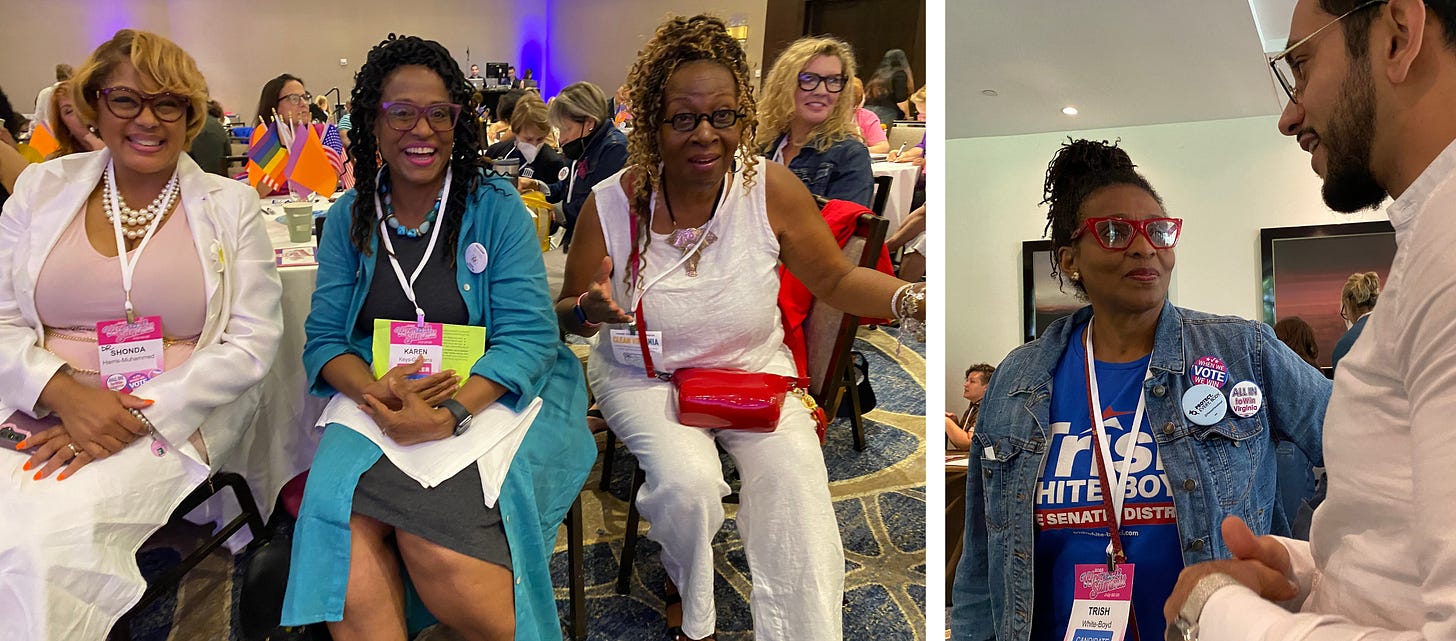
x,y
214,390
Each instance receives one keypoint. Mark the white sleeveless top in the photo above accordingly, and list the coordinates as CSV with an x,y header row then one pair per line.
x,y
726,316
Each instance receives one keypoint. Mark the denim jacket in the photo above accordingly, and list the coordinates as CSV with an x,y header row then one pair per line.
x,y
1217,470
839,172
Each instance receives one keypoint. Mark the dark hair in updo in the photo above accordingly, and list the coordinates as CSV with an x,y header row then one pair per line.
x,y
1080,168
390,54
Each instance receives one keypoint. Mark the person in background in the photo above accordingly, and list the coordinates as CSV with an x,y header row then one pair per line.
x,y
889,88
916,154
72,134
621,108
805,126
1180,407
594,148
958,429
1357,300
530,129
511,79
1298,480
14,157
203,281
42,111
870,130
345,124
210,148
528,81
1294,332
474,72
285,98
500,129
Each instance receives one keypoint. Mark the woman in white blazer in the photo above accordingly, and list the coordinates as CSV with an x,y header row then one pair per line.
x,y
109,446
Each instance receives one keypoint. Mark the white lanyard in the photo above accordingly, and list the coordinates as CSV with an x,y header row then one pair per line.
x,y
128,262
408,284
1114,478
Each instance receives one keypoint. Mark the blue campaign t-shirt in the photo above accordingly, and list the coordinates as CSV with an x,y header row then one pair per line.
x,y
1070,526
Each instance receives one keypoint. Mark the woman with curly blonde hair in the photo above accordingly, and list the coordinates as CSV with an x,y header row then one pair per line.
x,y
808,122
693,231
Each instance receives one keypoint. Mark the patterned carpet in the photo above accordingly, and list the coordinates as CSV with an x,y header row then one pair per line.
x,y
879,496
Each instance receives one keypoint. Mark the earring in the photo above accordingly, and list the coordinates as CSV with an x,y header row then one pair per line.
x,y
1076,276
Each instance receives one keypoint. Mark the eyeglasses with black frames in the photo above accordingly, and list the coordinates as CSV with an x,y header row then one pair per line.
x,y
1288,72
720,119
296,98
126,103
1116,234
808,81
403,116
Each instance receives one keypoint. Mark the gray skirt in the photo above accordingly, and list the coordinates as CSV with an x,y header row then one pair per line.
x,y
452,514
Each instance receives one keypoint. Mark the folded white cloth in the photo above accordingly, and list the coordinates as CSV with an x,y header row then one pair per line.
x,y
491,442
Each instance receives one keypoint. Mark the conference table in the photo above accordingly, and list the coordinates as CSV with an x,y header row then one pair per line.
x,y
902,190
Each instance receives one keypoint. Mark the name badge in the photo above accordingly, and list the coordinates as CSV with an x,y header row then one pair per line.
x,y
1101,602
627,348
131,353
409,342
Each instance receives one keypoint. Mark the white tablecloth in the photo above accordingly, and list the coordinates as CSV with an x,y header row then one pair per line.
x,y
902,190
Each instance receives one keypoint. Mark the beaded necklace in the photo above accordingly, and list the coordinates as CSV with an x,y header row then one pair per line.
x,y
393,222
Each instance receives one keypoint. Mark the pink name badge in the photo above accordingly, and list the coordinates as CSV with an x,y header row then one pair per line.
x,y
131,353
409,342
1101,603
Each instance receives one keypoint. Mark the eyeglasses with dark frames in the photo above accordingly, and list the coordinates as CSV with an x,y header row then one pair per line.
x,y
296,98
1289,75
403,116
126,103
720,119
808,81
1117,234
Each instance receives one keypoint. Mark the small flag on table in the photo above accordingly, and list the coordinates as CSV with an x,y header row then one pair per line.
x,y
43,141
266,158
308,169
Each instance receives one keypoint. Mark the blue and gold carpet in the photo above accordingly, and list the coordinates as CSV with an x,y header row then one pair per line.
x,y
879,496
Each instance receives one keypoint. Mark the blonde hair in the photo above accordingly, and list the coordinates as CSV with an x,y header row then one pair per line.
x,y
856,91
530,111
158,61
68,143
577,102
1360,293
776,109
918,97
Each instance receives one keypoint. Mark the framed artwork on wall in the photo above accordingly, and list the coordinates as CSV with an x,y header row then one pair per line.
x,y
1043,299
1304,269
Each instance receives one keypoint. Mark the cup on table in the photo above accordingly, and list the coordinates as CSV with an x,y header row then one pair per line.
x,y
299,218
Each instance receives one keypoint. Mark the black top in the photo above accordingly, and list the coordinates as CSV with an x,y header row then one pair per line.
x,y
210,147
546,168
434,289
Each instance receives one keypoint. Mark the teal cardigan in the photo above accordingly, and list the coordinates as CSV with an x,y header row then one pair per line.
x,y
524,354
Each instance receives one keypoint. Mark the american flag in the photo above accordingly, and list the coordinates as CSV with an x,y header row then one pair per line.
x,y
334,149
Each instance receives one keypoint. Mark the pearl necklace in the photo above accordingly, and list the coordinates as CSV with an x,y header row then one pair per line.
x,y
134,222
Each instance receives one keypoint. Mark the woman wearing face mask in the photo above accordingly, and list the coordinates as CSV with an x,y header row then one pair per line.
x,y
805,125
593,148
529,144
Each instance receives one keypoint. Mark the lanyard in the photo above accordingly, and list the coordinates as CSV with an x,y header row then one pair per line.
x,y
408,284
1112,493
127,261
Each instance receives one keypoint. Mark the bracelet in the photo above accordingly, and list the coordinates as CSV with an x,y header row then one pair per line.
x,y
581,313
906,303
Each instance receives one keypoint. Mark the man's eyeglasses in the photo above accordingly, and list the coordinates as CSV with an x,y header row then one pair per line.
x,y
833,84
1116,234
403,116
1286,73
296,98
126,103
720,119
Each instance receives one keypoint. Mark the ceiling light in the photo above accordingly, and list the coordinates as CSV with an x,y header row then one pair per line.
x,y
989,92
1069,110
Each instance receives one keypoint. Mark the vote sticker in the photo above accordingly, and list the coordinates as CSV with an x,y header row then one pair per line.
x,y
1204,404
1209,370
1245,398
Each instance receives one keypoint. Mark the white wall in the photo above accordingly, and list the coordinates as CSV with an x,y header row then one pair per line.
x,y
1227,179
597,41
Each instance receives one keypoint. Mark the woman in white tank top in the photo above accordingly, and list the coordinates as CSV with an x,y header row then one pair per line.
x,y
714,303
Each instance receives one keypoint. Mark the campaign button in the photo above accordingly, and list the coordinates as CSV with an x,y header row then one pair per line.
x,y
1204,404
475,258
1245,398
1209,370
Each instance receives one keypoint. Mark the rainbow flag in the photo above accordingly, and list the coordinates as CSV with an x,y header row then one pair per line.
x,y
308,170
43,141
266,157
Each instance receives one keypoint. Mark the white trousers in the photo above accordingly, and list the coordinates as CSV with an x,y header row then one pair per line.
x,y
785,516
68,548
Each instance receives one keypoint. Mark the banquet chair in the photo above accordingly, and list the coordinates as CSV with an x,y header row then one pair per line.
x,y
908,134
882,194
829,335
170,580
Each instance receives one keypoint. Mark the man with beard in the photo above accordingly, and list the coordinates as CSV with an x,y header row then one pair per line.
x,y
1372,88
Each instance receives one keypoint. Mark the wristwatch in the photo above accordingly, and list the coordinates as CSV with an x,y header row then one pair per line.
x,y
463,417
1185,627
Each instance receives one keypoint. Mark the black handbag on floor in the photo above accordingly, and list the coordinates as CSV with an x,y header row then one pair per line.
x,y
866,393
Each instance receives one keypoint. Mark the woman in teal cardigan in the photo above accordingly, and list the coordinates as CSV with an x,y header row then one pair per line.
x,y
362,519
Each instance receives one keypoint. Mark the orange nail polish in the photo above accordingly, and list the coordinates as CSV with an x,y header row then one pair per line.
x,y
20,445
61,478
26,467
38,476
149,402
